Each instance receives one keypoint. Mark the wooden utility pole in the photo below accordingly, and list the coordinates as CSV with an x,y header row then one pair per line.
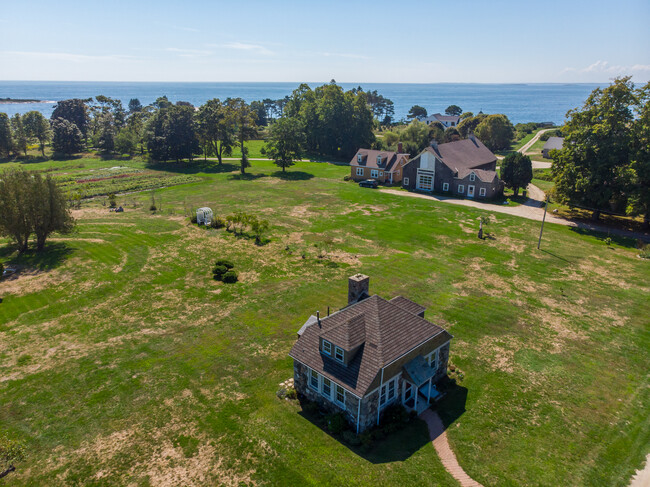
x,y
539,242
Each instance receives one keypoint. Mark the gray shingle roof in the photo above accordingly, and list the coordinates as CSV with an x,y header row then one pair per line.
x,y
554,143
390,331
369,159
463,154
408,305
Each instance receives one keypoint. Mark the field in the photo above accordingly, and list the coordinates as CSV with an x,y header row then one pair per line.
x,y
123,363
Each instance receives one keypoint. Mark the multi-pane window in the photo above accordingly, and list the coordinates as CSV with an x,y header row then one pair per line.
x,y
359,171
406,181
481,191
374,173
327,347
338,354
433,359
379,160
472,177
388,392
327,387
313,379
461,189
445,186
340,395
359,158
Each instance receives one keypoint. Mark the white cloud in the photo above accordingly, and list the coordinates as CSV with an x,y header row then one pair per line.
x,y
345,55
68,56
244,46
606,68
188,52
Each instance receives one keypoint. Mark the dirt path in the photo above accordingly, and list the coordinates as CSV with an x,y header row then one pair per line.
x,y
530,210
447,457
530,143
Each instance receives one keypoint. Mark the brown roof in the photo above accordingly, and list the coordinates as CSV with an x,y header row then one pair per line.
x,y
388,159
482,174
408,305
389,331
463,154
447,118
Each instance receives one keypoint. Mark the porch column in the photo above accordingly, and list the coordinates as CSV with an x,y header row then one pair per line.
x,y
417,393
429,398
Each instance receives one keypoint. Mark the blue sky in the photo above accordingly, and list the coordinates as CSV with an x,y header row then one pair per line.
x,y
351,41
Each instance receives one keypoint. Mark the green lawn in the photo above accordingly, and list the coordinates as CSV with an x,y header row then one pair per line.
x,y
535,151
122,362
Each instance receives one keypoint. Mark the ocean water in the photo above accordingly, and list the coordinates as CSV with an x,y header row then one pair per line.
x,y
520,102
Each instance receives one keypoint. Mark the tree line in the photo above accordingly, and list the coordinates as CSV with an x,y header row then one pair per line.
x,y
326,121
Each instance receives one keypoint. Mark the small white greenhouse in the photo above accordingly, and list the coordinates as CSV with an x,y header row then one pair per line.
x,y
204,216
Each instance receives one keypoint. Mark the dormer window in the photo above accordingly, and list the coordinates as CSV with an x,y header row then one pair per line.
x,y
327,347
472,176
338,354
359,158
378,160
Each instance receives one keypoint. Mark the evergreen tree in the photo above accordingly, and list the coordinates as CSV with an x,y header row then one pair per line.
x,y
67,138
20,138
6,137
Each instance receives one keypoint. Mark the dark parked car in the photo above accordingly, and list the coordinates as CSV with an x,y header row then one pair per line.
x,y
369,183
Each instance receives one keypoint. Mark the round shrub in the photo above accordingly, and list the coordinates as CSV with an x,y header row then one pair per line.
x,y
230,277
224,262
219,270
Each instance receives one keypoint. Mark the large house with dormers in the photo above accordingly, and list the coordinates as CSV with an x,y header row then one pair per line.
x,y
369,355
462,168
383,166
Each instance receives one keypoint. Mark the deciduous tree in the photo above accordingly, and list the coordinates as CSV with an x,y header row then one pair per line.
x,y
19,134
243,119
516,171
216,128
11,452
592,170
496,132
286,142
37,128
6,138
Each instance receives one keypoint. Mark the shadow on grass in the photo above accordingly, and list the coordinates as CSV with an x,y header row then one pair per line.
x,y
554,255
394,447
620,240
247,176
194,167
293,175
54,254
452,405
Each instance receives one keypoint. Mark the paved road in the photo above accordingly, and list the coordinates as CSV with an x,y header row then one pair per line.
x,y
530,210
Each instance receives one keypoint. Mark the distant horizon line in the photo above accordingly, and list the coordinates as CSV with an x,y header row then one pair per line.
x,y
322,82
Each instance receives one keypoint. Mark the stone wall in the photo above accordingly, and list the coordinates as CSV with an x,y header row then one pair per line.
x,y
443,358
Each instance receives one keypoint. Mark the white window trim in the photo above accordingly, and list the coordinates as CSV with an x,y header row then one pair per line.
x,y
359,171
481,192
327,351
461,189
309,377
472,177
385,388
406,181
433,358
378,159
445,186
336,351
381,173
359,158
329,396
374,173
336,396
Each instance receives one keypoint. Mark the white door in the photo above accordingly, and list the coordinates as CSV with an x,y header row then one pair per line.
x,y
470,191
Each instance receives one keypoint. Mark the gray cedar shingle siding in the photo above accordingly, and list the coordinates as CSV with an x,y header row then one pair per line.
x,y
454,163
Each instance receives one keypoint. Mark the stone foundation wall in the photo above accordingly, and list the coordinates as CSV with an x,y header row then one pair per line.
x,y
443,359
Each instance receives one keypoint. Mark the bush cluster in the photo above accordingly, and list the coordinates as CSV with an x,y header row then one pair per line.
x,y
217,222
241,222
223,271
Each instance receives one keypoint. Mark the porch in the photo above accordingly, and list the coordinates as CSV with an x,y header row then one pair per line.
x,y
418,389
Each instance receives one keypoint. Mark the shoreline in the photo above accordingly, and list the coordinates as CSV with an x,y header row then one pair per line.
x,y
9,101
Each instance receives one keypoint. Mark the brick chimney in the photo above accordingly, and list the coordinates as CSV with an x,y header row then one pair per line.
x,y
358,286
399,148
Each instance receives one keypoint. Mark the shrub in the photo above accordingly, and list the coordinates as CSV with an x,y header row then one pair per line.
x,y
2,270
292,393
219,271
230,277
152,208
336,423
366,439
351,439
218,222
311,407
645,252
193,219
225,262
112,200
